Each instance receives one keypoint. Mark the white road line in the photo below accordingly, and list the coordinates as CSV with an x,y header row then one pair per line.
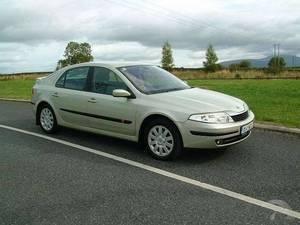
x,y
165,173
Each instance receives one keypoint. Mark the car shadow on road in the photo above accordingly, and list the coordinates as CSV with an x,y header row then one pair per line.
x,y
202,155
132,150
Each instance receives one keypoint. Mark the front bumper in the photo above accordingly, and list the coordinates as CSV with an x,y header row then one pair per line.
x,y
204,135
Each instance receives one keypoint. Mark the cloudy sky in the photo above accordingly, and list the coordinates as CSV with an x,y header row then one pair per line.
x,y
34,33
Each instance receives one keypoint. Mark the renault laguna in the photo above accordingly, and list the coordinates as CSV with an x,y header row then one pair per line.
x,y
141,103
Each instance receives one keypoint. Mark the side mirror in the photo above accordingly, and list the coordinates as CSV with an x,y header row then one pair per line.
x,y
121,93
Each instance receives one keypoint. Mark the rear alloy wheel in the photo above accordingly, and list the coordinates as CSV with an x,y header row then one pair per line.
x,y
163,140
47,119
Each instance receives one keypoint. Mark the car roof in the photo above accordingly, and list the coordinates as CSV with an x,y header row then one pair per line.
x,y
112,65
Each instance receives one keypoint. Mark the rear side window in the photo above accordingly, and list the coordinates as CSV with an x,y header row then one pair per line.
x,y
75,79
105,81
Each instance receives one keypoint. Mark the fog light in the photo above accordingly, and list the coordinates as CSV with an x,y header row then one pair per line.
x,y
219,142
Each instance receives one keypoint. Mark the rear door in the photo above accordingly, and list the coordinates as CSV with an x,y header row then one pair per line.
x,y
109,113
71,96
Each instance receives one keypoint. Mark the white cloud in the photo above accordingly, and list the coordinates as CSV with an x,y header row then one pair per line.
x,y
34,33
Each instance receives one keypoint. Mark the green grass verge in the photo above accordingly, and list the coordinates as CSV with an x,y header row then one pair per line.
x,y
16,89
276,101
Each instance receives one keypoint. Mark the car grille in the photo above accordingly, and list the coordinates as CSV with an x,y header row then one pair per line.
x,y
240,117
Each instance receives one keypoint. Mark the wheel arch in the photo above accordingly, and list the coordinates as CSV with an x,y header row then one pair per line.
x,y
38,109
152,117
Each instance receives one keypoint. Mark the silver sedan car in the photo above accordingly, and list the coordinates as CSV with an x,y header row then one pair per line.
x,y
141,103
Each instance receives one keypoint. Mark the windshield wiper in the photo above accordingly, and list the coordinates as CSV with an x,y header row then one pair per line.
x,y
175,89
166,90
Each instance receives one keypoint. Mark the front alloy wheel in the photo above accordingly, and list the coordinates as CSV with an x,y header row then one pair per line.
x,y
160,141
163,139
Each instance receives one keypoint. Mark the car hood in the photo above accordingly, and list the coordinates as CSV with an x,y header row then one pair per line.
x,y
197,100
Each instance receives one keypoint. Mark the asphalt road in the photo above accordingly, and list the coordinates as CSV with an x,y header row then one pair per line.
x,y
43,182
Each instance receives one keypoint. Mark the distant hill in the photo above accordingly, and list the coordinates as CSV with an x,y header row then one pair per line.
x,y
290,60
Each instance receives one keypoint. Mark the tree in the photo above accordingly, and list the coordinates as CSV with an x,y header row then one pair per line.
x,y
245,64
167,57
210,64
76,53
276,64
234,67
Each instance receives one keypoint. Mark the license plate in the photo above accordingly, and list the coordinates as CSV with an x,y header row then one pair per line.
x,y
246,128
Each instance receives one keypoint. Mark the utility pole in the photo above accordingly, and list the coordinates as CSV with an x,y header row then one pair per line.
x,y
276,55
278,66
293,61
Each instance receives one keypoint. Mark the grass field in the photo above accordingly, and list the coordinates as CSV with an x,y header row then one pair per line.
x,y
17,89
275,101
226,74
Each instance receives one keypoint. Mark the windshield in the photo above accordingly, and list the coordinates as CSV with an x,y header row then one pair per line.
x,y
152,79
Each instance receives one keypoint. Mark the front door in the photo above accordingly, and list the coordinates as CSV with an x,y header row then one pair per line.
x,y
108,113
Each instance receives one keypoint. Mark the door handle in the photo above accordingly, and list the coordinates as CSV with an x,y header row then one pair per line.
x,y
92,100
55,94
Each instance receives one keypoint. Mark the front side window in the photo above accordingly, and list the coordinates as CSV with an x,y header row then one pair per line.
x,y
152,79
105,81
76,78
61,81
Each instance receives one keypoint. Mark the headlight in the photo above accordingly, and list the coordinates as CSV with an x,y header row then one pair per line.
x,y
220,117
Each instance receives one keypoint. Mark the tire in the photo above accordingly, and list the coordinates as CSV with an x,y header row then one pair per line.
x,y
47,119
162,139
